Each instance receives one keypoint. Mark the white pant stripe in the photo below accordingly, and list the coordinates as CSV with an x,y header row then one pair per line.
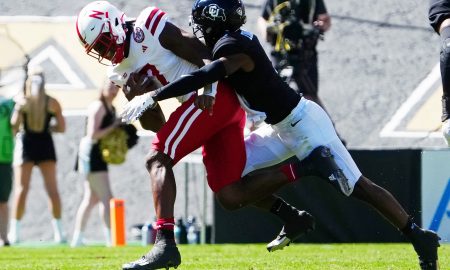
x,y
177,127
183,132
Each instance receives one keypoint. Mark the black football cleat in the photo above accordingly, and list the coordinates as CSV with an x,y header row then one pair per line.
x,y
302,224
426,245
161,256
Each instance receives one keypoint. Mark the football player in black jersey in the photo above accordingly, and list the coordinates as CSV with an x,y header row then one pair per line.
x,y
297,126
439,16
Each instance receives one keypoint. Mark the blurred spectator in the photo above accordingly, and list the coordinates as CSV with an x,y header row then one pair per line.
x,y
33,116
293,28
101,122
6,158
439,17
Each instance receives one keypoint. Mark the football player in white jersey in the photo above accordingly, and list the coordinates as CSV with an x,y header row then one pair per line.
x,y
151,45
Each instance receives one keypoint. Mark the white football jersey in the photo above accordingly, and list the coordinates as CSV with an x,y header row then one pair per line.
x,y
146,54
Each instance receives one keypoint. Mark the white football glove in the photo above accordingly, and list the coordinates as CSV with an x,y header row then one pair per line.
x,y
134,109
446,131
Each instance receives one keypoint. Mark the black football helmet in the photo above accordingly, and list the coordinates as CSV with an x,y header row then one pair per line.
x,y
215,17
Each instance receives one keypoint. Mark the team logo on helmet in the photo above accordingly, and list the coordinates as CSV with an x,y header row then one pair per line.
x,y
138,35
97,14
239,11
214,12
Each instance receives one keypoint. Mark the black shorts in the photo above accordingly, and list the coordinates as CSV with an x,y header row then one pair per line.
x,y
306,76
96,162
5,181
439,11
34,147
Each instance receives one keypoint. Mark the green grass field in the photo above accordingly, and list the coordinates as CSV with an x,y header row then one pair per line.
x,y
250,257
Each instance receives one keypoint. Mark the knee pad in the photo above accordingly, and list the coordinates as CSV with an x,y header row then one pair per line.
x,y
324,164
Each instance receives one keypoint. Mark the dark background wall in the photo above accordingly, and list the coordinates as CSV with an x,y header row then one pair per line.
x,y
338,218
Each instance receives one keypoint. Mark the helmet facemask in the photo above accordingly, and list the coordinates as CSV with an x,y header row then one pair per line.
x,y
196,28
106,47
208,33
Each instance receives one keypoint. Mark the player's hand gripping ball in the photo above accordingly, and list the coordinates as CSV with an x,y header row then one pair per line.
x,y
138,84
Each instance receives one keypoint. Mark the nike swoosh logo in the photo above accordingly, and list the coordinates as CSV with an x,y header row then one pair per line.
x,y
295,123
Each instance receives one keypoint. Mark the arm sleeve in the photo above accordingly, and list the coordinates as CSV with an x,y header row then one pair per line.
x,y
193,81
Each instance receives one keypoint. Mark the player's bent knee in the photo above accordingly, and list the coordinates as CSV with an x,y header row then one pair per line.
x,y
156,158
229,199
323,161
230,205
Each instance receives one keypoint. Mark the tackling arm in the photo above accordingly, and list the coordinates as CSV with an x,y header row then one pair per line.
x,y
208,74
191,82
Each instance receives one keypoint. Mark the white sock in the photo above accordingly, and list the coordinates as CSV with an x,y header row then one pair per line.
x,y
107,233
14,231
58,231
77,239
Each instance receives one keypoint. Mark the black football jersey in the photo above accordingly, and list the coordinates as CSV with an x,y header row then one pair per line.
x,y
262,88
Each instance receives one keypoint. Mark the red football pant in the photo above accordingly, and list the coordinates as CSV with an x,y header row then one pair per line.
x,y
221,135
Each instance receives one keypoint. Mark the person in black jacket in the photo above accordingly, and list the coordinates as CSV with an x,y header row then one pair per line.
x,y
439,16
293,28
302,23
